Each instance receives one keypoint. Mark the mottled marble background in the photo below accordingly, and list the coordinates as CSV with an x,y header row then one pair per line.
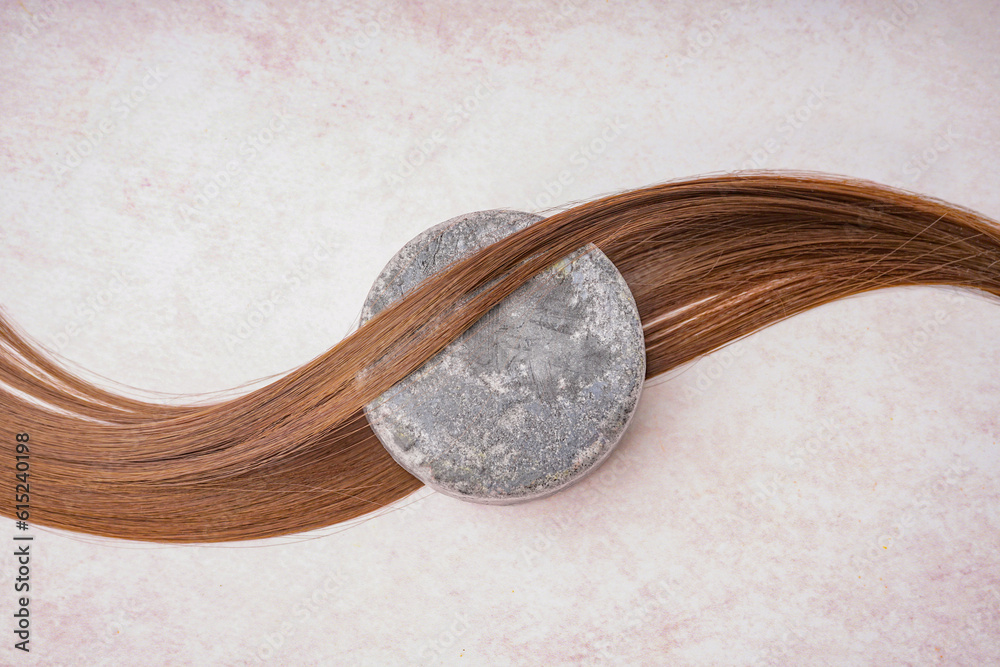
x,y
194,196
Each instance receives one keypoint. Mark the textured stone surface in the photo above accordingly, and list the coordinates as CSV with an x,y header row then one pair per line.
x,y
746,520
535,394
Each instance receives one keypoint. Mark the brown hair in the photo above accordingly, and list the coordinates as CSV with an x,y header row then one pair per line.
x,y
709,260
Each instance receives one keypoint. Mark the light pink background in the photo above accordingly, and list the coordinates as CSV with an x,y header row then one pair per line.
x,y
826,493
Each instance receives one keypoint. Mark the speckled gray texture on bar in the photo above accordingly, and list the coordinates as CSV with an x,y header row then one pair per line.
x,y
534,395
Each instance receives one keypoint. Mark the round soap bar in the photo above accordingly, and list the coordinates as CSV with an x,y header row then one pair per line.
x,y
530,398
